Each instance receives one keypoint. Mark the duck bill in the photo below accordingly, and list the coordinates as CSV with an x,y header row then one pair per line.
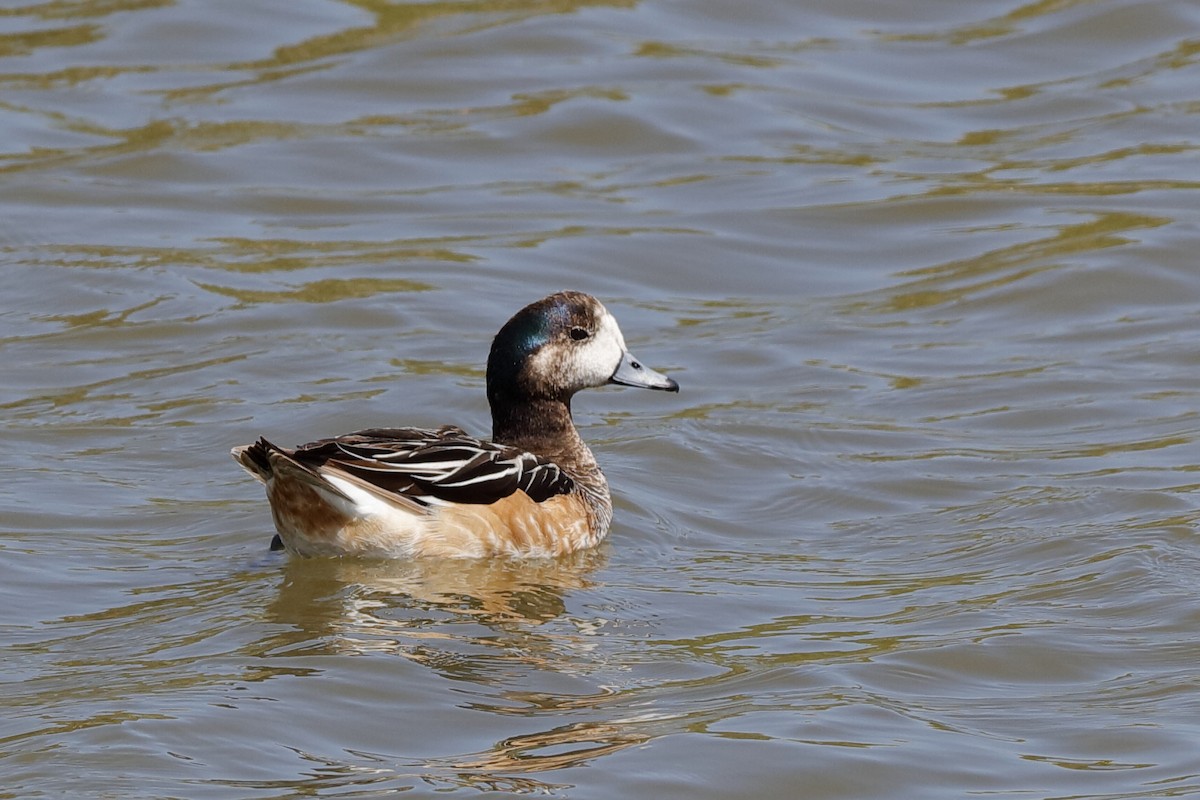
x,y
631,372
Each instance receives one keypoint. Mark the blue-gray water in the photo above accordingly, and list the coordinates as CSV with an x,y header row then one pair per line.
x,y
922,522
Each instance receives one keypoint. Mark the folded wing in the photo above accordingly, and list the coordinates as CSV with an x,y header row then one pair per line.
x,y
437,465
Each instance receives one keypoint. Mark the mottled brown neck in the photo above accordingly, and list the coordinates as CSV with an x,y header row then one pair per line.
x,y
544,428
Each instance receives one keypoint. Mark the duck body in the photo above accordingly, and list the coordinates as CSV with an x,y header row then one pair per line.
x,y
534,490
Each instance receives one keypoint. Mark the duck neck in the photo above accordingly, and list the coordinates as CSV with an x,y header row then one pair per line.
x,y
543,427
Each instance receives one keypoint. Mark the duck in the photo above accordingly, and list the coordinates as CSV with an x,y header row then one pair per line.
x,y
533,490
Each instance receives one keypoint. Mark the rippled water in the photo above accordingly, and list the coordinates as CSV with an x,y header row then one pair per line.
x,y
921,523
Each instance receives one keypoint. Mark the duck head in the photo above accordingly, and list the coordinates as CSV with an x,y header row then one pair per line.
x,y
560,344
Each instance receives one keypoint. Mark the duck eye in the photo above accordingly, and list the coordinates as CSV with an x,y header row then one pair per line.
x,y
578,334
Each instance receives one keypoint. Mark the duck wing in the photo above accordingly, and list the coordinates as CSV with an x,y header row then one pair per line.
x,y
444,465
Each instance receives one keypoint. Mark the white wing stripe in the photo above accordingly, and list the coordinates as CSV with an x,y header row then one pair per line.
x,y
465,468
430,468
489,476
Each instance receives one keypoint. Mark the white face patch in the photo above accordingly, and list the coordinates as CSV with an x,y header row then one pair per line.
x,y
586,363
600,355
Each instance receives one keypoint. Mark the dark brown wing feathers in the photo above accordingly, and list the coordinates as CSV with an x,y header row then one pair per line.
x,y
446,464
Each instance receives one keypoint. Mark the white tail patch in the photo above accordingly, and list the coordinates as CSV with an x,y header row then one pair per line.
x,y
360,499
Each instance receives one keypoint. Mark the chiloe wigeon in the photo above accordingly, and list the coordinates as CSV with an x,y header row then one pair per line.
x,y
533,490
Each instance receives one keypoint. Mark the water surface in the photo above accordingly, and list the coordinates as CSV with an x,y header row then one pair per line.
x,y
921,522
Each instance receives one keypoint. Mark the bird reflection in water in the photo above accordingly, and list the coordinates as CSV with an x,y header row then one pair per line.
x,y
483,622
361,605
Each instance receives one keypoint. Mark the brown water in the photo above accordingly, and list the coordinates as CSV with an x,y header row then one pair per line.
x,y
921,524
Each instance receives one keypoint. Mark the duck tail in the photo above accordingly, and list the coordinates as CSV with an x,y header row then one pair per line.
x,y
256,458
